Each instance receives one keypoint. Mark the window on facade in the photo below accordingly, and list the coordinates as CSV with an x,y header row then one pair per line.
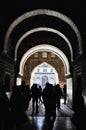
x,y
51,70
38,70
44,70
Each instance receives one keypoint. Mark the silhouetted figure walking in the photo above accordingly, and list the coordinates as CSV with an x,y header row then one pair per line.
x,y
59,94
48,95
35,96
40,94
65,93
27,92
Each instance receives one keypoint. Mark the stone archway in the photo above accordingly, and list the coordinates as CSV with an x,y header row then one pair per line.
x,y
49,48
61,56
46,12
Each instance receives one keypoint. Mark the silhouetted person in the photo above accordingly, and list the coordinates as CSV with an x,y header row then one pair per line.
x,y
59,94
4,108
27,92
65,93
17,107
48,95
40,94
35,96
79,108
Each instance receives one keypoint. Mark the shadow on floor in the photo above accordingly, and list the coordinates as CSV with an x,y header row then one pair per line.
x,y
65,111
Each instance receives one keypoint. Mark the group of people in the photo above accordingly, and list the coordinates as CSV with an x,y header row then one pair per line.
x,y
38,95
50,97
12,109
16,106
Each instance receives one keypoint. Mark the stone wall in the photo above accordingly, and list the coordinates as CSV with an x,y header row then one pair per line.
x,y
79,72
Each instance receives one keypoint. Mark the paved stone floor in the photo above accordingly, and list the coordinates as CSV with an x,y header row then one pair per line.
x,y
38,122
65,111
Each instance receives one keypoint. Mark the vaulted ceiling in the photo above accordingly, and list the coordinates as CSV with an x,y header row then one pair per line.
x,y
32,28
27,24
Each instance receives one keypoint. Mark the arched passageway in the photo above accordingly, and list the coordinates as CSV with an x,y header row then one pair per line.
x,y
29,43
48,34
53,56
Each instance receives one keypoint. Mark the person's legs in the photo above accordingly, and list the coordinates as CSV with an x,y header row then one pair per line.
x,y
36,105
33,105
58,104
64,99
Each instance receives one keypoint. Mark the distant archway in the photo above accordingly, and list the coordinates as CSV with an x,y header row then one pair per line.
x,y
41,74
49,48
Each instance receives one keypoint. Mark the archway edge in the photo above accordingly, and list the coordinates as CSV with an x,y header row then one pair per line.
x,y
48,48
43,29
42,12
56,73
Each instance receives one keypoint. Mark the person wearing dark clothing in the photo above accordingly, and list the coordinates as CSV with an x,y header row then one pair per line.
x,y
27,93
40,94
79,109
17,107
58,94
65,93
48,95
35,96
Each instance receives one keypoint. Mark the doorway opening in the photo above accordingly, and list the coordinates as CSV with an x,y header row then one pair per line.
x,y
44,73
